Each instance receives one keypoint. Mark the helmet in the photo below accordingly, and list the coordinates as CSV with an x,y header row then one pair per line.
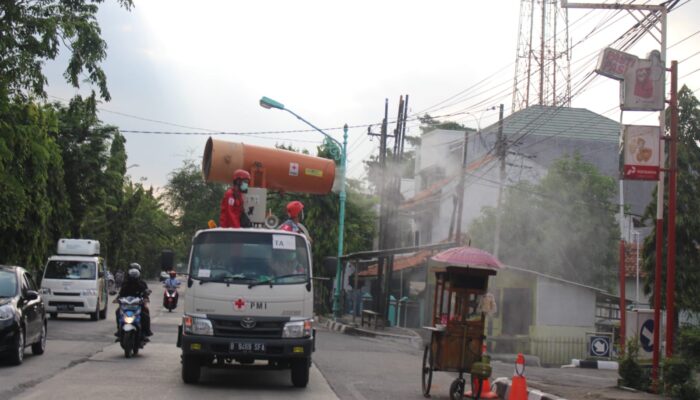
x,y
294,208
135,266
240,174
134,274
173,274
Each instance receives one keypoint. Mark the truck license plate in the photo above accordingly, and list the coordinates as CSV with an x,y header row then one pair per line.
x,y
248,347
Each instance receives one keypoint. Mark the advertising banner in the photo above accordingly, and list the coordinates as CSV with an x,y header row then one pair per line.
x,y
642,80
643,85
640,144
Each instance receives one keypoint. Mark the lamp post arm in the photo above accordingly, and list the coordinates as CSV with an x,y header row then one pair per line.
x,y
340,145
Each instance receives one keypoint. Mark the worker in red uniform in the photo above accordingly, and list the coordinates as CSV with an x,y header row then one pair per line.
x,y
295,211
232,203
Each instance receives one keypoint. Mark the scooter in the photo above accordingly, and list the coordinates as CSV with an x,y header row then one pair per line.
x,y
170,297
130,335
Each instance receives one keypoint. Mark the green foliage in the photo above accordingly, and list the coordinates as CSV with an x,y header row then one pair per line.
x,y
631,373
193,202
679,380
33,204
32,32
429,123
689,344
83,142
687,213
563,226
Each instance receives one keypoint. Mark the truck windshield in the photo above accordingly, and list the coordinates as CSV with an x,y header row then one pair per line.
x,y
250,257
67,269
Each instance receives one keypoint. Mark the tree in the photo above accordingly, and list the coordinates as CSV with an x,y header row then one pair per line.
x,y
33,202
564,225
84,142
32,32
192,201
687,212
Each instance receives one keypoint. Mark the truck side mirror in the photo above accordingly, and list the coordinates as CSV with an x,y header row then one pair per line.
x,y
167,260
330,264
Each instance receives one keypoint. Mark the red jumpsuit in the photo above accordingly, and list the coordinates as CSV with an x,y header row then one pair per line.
x,y
231,209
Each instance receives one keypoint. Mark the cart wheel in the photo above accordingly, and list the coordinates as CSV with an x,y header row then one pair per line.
x,y
427,372
457,389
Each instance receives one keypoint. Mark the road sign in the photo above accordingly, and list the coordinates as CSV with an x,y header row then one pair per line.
x,y
599,346
646,335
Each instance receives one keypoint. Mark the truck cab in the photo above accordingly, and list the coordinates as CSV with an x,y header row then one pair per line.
x,y
249,300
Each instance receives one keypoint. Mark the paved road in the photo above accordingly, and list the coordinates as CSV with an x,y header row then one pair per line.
x,y
361,368
83,362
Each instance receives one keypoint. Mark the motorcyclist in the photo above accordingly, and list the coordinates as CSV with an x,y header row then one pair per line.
x,y
295,211
118,278
136,287
172,281
232,210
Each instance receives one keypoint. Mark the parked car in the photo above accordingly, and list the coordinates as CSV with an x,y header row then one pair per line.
x,y
22,315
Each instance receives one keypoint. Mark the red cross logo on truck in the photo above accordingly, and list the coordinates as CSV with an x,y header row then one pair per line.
x,y
239,304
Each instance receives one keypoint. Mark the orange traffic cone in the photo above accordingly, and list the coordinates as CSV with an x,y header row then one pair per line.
x,y
518,389
485,392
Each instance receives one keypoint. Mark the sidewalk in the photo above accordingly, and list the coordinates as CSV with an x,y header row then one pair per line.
x,y
543,383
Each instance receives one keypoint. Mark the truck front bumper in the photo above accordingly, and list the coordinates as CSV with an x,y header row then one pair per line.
x,y
260,348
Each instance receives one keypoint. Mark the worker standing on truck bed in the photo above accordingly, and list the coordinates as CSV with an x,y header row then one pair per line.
x,y
232,207
295,211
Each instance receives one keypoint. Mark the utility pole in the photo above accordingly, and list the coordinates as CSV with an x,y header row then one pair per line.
x,y
460,187
377,290
501,150
394,195
672,177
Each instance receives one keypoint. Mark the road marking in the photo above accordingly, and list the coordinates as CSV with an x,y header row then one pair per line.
x,y
353,390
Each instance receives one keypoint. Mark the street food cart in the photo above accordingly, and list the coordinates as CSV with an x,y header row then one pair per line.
x,y
460,304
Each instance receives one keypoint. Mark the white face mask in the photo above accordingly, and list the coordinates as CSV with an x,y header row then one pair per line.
x,y
244,186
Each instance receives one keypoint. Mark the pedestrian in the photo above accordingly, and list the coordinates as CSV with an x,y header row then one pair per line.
x,y
232,209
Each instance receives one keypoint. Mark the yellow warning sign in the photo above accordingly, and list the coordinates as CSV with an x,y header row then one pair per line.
x,y
313,172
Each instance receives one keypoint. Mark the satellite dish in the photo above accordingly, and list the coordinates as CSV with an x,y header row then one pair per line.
x,y
271,222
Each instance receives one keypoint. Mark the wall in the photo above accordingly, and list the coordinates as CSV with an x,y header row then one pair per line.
x,y
560,304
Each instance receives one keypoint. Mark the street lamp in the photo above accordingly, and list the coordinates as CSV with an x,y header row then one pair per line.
x,y
268,103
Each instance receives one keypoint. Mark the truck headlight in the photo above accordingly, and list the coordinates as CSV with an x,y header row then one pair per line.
x,y
6,312
45,291
197,326
89,292
297,329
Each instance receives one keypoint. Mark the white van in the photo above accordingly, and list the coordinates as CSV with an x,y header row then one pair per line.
x,y
74,280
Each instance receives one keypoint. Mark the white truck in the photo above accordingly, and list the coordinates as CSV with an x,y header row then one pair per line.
x,y
74,280
249,301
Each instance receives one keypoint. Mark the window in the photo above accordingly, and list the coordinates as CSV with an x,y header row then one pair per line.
x,y
70,269
8,284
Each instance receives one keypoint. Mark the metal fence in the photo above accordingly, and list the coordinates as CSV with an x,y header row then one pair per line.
x,y
551,351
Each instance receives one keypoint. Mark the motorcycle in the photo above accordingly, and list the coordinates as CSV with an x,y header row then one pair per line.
x,y
130,335
170,297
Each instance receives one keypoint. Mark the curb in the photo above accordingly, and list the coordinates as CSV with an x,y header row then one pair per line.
x,y
594,364
415,341
503,390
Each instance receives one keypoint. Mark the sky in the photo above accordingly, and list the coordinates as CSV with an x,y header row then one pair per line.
x,y
199,67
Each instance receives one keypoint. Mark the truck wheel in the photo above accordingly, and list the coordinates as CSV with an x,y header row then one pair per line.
x,y
190,369
103,313
95,315
300,372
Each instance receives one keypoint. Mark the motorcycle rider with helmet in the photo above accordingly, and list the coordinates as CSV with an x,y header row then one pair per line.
x,y
136,287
